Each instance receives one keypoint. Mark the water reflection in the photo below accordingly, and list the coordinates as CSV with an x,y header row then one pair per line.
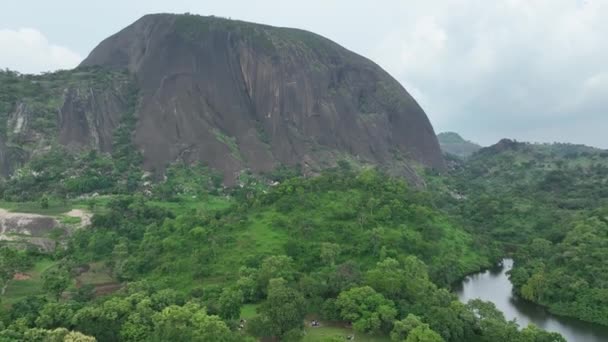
x,y
493,285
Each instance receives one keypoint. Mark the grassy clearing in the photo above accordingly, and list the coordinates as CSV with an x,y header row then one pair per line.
x,y
98,274
69,220
324,333
248,311
55,207
189,203
20,289
260,237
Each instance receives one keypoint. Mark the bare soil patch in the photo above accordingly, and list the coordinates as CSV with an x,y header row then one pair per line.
x,y
21,276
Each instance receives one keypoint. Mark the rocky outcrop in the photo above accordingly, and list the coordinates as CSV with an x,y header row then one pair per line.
x,y
21,139
237,95
89,115
25,224
34,230
79,109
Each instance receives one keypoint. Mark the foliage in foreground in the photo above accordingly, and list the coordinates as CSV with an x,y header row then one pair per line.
x,y
357,247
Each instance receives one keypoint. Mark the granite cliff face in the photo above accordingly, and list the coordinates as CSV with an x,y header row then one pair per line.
x,y
237,95
88,117
79,109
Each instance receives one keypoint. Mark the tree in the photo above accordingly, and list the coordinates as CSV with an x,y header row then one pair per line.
x,y
402,281
412,329
423,334
368,310
388,278
54,315
492,323
120,254
248,287
402,328
44,202
189,323
84,293
75,336
329,253
533,334
55,282
284,309
230,303
534,289
11,262
343,276
276,266
105,320
57,335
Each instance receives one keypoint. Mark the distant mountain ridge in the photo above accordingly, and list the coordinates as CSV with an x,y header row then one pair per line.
x,y
454,144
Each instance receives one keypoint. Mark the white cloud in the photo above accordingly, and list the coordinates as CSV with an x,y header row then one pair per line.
x,y
505,67
27,50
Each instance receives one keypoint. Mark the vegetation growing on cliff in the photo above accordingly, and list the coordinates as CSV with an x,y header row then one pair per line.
x,y
35,164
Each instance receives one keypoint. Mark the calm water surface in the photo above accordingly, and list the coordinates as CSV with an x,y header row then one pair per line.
x,y
494,286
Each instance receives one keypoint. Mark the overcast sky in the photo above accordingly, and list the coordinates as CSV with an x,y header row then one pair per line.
x,y
534,70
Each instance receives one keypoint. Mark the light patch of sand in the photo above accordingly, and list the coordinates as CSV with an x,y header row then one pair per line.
x,y
85,216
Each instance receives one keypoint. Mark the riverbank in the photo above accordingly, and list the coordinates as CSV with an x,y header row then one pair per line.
x,y
493,285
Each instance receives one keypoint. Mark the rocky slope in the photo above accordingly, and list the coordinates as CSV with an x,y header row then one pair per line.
x,y
34,230
79,109
239,95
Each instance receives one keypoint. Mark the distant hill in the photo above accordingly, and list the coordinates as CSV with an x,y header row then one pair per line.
x,y
526,178
454,144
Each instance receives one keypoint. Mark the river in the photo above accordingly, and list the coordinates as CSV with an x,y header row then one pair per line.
x,y
494,286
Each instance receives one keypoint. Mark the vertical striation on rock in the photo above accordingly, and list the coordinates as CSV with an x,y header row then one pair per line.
x,y
239,95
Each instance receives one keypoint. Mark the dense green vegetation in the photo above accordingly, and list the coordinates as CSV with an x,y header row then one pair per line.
x,y
515,191
546,204
348,246
569,276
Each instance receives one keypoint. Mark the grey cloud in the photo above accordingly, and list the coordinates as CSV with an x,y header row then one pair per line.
x,y
526,69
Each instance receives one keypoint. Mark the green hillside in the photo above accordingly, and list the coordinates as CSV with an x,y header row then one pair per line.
x,y
546,203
